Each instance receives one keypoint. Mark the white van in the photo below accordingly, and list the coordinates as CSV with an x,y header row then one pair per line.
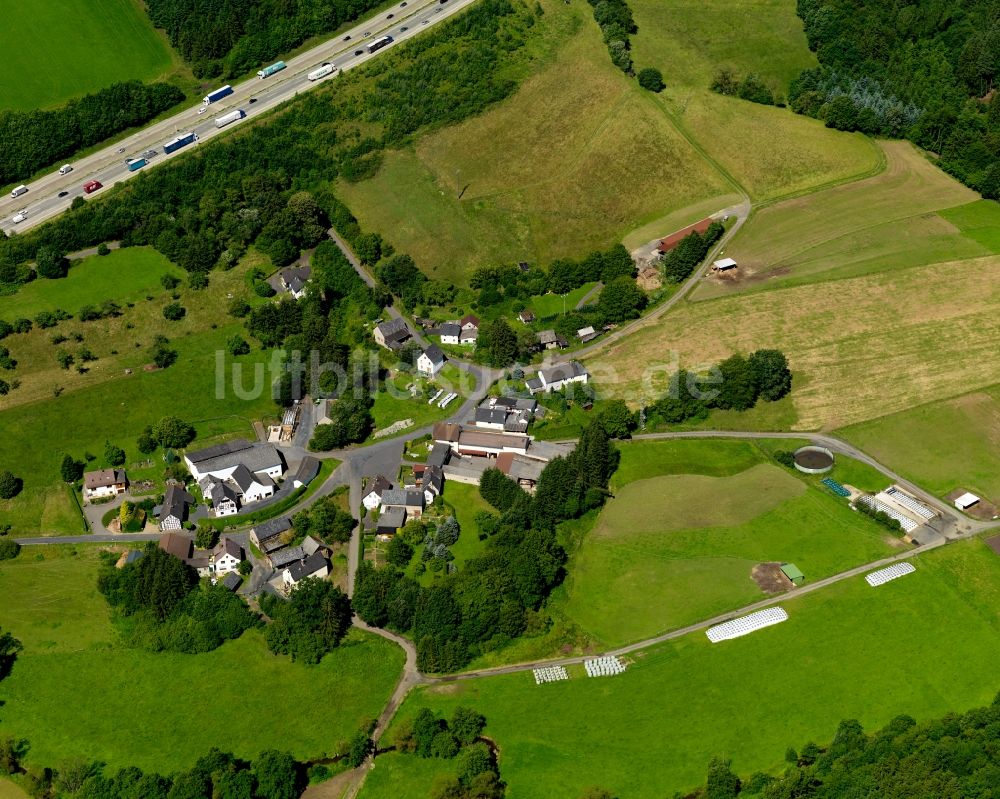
x,y
20,216
65,170
19,191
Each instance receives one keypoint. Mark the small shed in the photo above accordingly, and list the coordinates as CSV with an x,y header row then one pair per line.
x,y
724,265
793,573
966,501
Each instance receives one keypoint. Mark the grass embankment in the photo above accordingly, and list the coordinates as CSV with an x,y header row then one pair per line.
x,y
75,692
688,522
56,50
941,446
923,645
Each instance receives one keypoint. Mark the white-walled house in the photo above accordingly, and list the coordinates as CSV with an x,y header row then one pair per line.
x,y
104,483
253,487
558,377
227,556
221,460
314,565
372,492
223,498
450,332
431,361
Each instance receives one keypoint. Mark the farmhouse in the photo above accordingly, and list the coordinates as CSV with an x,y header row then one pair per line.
x,y
450,332
221,460
432,484
439,455
431,361
173,512
282,557
306,472
550,341
586,334
723,265
470,330
558,377
269,536
314,565
392,334
223,498
527,316
104,483
966,501
371,494
671,241
524,471
412,502
481,443
490,418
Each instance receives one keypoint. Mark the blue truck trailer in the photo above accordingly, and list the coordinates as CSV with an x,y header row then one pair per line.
x,y
182,140
218,94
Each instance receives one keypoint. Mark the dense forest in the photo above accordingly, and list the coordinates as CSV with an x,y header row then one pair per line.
x,y
231,37
499,595
923,71
954,757
33,140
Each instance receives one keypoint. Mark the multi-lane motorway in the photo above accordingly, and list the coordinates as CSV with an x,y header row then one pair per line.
x,y
53,193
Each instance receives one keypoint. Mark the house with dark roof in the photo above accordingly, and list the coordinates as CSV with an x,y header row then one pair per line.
x,y
450,332
431,361
270,535
432,483
306,472
558,377
586,334
391,334
439,455
294,279
174,510
551,341
371,494
446,432
252,487
390,521
104,483
410,501
527,316
226,556
282,557
314,565
310,545
223,498
490,418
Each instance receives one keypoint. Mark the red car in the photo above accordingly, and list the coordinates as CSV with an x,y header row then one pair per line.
x,y
91,186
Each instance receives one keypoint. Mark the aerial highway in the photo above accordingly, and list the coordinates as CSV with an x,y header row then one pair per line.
x,y
52,193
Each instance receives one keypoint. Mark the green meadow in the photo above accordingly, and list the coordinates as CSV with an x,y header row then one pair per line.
x,y
75,692
55,50
923,645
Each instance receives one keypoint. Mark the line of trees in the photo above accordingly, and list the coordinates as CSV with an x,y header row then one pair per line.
x,y
750,87
922,71
682,260
33,140
499,595
953,757
739,382
220,775
615,20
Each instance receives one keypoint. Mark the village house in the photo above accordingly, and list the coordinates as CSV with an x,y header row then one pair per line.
x,y
450,333
175,544
470,330
412,502
390,521
222,498
104,483
431,361
253,487
586,334
558,377
432,484
173,511
527,316
222,460
371,494
550,341
478,442
294,279
282,557
306,472
314,565
439,454
391,334
270,535
226,556
491,418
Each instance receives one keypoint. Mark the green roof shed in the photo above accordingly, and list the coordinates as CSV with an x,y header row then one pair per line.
x,y
793,573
